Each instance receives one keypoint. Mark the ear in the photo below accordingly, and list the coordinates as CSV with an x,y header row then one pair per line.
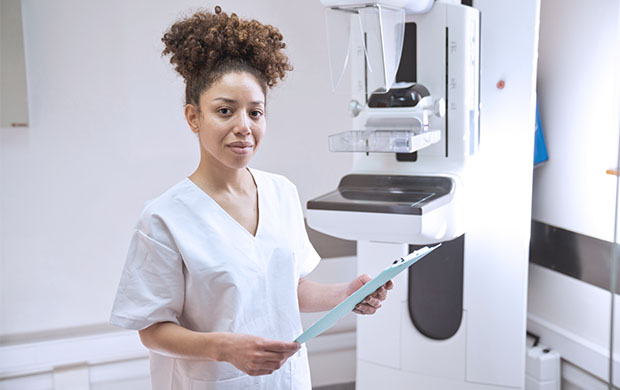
x,y
192,116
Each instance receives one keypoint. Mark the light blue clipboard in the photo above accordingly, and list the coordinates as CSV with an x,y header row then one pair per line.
x,y
346,306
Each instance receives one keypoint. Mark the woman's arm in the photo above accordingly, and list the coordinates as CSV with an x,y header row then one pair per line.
x,y
252,355
315,296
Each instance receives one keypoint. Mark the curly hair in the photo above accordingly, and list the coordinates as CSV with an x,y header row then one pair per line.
x,y
207,45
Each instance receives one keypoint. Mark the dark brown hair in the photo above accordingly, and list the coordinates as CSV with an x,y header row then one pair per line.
x,y
208,45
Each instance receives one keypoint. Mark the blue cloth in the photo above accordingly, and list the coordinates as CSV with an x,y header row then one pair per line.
x,y
540,147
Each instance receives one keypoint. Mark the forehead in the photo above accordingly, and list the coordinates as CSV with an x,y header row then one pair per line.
x,y
239,86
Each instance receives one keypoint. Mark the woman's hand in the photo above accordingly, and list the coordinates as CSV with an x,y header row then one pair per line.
x,y
255,355
373,301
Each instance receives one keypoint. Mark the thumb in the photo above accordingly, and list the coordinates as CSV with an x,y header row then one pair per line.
x,y
357,283
364,279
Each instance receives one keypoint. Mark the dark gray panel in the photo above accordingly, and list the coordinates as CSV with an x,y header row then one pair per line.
x,y
581,257
339,386
408,68
392,194
436,290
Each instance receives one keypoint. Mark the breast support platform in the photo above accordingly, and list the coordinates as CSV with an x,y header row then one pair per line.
x,y
345,307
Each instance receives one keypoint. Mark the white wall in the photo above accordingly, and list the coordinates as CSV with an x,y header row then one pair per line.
x,y
578,90
107,133
578,98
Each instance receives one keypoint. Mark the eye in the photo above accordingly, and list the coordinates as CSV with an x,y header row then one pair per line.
x,y
256,114
224,111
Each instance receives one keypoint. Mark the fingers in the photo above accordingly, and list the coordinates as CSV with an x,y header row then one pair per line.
x,y
368,306
265,357
281,346
271,356
277,351
264,368
257,356
259,372
380,294
365,309
373,302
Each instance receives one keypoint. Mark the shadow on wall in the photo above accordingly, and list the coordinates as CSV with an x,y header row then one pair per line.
x,y
328,246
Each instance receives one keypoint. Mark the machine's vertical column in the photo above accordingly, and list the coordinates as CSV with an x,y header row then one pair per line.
x,y
378,335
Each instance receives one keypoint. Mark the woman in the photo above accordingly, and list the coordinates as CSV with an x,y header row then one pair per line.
x,y
214,279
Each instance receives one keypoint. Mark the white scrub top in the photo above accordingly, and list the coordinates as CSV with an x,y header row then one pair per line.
x,y
191,263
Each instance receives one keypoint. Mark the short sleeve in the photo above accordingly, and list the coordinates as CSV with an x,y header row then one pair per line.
x,y
307,257
152,286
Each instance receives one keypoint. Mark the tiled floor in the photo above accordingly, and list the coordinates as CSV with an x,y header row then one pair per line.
x,y
340,386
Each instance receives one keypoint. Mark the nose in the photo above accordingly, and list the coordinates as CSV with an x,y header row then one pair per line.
x,y
243,125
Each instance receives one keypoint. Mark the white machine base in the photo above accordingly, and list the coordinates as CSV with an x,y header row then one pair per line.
x,y
371,376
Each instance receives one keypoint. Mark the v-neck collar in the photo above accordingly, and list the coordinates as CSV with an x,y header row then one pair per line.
x,y
226,214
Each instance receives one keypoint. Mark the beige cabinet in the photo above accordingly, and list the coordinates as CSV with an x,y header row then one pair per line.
x,y
13,94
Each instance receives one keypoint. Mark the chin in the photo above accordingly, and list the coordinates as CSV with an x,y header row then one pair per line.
x,y
239,163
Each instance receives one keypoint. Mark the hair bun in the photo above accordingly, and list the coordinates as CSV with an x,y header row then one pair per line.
x,y
203,41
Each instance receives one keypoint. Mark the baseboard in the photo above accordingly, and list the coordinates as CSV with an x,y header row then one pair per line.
x,y
119,357
578,351
45,356
574,378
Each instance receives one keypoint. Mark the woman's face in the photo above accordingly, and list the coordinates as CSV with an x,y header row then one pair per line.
x,y
231,121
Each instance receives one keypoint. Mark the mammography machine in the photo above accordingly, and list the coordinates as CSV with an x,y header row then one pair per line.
x,y
432,166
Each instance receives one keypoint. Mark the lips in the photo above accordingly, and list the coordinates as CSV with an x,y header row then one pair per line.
x,y
240,144
240,147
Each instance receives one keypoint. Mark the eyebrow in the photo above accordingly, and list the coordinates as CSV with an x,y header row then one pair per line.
x,y
232,101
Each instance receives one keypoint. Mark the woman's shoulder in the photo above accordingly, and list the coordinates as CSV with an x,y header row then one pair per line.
x,y
274,180
172,204
169,198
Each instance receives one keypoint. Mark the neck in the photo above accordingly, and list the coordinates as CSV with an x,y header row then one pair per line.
x,y
213,176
